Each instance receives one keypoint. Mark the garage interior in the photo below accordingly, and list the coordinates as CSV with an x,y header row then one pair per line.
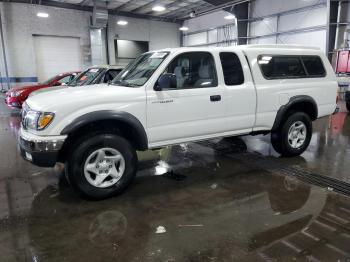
x,y
230,199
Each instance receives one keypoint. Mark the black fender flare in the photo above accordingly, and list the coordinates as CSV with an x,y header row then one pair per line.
x,y
347,96
292,102
102,115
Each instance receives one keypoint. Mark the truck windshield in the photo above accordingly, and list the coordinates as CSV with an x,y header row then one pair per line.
x,y
140,70
86,77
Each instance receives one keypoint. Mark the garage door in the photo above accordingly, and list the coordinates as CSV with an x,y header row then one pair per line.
x,y
55,55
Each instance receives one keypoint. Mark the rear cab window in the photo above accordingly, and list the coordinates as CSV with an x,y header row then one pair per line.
x,y
291,66
232,69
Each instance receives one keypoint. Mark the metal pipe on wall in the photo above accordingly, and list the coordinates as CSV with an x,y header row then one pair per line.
x,y
4,53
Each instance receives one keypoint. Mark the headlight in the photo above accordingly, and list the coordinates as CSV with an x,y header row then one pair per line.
x,y
38,120
16,93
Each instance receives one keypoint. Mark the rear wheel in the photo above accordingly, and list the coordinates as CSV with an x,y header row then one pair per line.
x,y
294,135
101,166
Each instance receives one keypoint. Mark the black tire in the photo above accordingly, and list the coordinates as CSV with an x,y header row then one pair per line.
x,y
279,138
83,148
348,106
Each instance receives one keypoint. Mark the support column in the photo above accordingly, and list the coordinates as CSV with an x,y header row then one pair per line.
x,y
332,18
241,11
4,52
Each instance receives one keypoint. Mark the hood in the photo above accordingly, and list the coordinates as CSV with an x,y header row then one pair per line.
x,y
44,90
79,97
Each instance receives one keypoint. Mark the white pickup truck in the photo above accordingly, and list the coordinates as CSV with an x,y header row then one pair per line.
x,y
176,96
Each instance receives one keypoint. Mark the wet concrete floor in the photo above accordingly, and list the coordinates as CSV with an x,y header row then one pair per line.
x,y
218,200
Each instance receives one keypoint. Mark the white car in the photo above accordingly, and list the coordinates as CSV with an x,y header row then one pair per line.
x,y
176,96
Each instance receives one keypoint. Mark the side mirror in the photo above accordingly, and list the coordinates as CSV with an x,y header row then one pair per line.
x,y
166,81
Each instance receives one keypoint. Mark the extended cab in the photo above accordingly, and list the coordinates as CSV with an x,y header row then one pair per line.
x,y
175,96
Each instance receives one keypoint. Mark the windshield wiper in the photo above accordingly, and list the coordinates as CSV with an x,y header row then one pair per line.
x,y
123,83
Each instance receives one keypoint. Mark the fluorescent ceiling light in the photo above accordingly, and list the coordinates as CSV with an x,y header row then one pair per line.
x,y
158,8
230,17
184,28
40,14
122,22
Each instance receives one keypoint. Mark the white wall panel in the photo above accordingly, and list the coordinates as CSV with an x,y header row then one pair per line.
x,y
159,34
316,39
263,27
208,21
263,40
213,36
196,39
21,23
286,22
315,17
268,7
163,35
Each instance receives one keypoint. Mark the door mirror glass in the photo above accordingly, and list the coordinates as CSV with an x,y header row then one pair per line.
x,y
166,81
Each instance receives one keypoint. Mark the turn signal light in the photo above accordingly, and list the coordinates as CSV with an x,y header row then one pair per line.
x,y
44,120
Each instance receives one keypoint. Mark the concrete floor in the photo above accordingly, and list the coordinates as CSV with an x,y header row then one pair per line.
x,y
222,200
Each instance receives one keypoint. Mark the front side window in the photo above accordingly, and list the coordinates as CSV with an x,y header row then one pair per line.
x,y
193,70
232,69
140,70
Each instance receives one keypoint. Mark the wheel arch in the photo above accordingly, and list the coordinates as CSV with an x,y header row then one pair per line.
x,y
123,123
300,103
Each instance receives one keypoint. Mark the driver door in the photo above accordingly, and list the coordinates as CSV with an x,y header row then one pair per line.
x,y
195,109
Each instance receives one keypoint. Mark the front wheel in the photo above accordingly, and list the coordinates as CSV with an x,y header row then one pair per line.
x,y
294,136
101,166
348,106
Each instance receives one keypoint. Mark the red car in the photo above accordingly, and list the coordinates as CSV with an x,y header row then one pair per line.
x,y
16,96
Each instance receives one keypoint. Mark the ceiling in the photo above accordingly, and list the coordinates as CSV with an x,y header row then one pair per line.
x,y
175,10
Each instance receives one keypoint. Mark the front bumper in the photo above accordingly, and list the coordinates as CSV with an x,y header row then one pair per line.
x,y
40,151
13,102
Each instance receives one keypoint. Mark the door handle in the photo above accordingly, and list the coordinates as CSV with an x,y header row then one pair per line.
x,y
215,98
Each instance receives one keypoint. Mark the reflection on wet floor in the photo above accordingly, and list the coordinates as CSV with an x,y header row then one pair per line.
x,y
219,200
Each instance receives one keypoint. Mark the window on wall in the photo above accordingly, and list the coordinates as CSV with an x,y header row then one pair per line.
x,y
232,69
285,66
193,70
